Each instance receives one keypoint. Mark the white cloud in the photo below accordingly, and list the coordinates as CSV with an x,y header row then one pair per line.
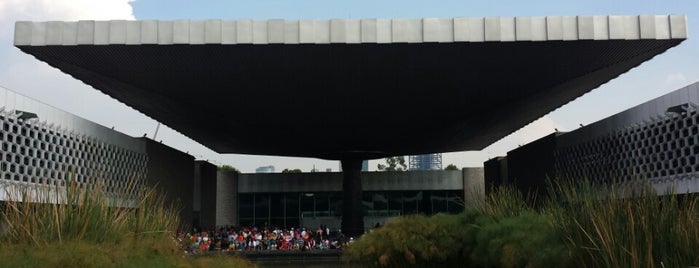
x,y
29,76
20,71
63,10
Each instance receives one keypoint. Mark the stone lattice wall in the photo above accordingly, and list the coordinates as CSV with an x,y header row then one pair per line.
x,y
37,152
661,149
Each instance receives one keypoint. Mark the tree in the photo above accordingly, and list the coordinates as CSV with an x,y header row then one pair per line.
x,y
396,163
451,167
228,168
286,170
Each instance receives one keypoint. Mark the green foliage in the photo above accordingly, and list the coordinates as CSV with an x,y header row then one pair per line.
x,y
470,239
144,252
396,163
413,240
451,167
228,168
503,202
87,225
218,260
629,226
286,170
525,240
581,225
88,212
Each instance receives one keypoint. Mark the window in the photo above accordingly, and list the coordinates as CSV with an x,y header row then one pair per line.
x,y
411,202
245,207
456,202
322,205
261,209
439,202
307,205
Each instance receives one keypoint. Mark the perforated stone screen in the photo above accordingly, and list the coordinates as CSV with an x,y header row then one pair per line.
x,y
35,152
662,149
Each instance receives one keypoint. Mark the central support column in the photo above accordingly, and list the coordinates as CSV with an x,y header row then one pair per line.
x,y
352,213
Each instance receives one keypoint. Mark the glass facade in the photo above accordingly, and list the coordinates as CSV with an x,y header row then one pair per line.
x,y
286,209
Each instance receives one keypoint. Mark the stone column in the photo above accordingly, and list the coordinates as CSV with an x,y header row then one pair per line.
x,y
227,198
474,186
352,213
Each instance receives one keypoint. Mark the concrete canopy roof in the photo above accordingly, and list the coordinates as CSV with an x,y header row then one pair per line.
x,y
340,88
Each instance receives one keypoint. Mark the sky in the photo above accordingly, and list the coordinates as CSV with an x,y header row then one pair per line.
x,y
24,74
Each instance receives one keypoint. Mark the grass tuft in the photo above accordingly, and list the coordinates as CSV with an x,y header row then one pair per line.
x,y
88,225
627,225
83,212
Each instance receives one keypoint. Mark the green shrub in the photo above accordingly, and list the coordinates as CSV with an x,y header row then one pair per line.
x,y
469,239
582,225
526,240
412,240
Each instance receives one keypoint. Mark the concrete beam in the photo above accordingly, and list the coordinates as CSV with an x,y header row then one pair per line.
x,y
278,31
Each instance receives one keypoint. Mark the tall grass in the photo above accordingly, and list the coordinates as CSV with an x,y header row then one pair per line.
x,y
90,225
627,226
504,202
85,212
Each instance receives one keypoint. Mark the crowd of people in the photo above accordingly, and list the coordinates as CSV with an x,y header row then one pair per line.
x,y
267,238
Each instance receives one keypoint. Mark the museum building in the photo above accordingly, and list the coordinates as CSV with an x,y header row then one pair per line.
x,y
656,142
468,81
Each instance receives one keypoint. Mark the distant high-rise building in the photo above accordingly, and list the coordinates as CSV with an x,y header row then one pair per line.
x,y
265,169
425,162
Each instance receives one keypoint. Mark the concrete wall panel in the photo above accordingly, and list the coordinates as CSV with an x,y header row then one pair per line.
x,y
133,33
275,31
554,28
207,174
353,31
38,33
438,30
259,32
228,32
180,32
243,31
172,172
166,32
117,32
149,32
291,32
332,181
212,32
406,31
368,30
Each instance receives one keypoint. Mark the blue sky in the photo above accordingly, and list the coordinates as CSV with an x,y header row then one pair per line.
x,y
322,9
24,74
